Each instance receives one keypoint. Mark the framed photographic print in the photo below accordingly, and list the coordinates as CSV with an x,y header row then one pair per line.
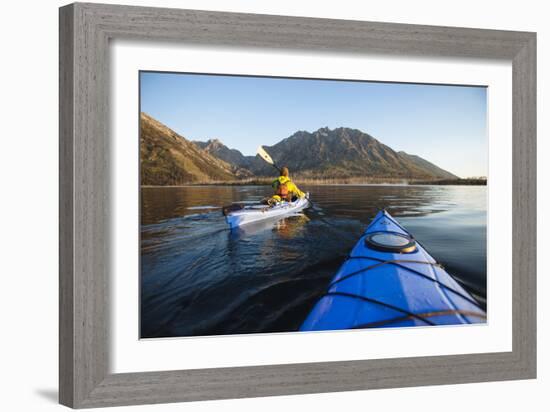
x,y
260,205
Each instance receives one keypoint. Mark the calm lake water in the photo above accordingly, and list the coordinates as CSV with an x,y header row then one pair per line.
x,y
199,278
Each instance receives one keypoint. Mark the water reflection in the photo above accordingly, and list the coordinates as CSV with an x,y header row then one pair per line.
x,y
199,278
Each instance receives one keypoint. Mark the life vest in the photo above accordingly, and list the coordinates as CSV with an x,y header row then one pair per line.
x,y
282,190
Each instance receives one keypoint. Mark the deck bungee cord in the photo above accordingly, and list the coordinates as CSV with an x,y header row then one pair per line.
x,y
389,279
400,263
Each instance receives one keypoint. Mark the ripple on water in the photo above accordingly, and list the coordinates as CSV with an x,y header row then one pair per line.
x,y
199,278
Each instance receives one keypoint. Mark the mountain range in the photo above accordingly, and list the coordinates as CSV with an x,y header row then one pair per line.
x,y
168,158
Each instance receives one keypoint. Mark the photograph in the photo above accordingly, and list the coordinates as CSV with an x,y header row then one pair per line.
x,y
297,205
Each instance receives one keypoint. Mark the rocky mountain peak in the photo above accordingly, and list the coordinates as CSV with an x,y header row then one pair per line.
x,y
214,142
326,153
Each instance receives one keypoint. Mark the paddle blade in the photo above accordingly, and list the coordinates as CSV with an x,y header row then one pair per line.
x,y
264,155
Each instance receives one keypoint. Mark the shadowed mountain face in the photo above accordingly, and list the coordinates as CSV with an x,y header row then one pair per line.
x,y
169,159
341,153
427,166
231,156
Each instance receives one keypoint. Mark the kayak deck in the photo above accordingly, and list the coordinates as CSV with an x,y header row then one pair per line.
x,y
256,213
377,287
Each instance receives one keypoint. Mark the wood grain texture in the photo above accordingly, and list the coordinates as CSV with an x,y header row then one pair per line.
x,y
66,229
85,31
524,226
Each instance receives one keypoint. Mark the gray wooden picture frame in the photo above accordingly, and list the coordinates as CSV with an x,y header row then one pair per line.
x,y
85,32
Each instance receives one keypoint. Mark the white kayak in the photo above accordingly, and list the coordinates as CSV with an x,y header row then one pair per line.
x,y
256,213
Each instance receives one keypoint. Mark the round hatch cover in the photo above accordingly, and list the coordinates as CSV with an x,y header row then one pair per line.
x,y
390,242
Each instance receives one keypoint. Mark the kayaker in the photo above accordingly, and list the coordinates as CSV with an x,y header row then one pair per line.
x,y
285,189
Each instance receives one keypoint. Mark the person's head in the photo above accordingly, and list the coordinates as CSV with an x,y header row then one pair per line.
x,y
284,171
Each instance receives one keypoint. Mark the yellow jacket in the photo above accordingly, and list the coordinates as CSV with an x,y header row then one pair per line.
x,y
292,188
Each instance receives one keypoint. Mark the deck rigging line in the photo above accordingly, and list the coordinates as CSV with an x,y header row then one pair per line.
x,y
378,302
398,263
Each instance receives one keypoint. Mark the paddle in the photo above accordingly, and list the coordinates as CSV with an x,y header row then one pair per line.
x,y
264,155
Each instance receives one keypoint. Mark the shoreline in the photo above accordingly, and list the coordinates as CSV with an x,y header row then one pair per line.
x,y
463,182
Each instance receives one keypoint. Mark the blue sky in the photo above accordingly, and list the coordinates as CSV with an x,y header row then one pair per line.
x,y
443,124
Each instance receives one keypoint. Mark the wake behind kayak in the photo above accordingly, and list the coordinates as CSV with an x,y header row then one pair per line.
x,y
390,280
